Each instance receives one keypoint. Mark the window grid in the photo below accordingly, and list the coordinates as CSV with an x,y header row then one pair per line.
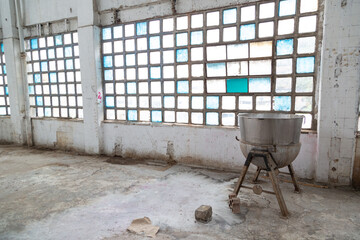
x,y
54,78
4,91
287,85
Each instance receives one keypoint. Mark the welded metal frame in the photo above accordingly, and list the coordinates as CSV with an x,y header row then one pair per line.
x,y
77,94
3,83
316,54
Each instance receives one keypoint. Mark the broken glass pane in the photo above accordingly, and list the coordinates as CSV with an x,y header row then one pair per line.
x,y
307,24
182,117
141,44
197,54
169,102
282,103
141,59
266,10
197,21
118,32
168,24
237,85
216,53
143,73
247,32
284,66
228,119
215,69
119,60
107,48
212,118
213,36
245,103
156,116
130,59
216,86
130,45
155,87
229,34
248,13
263,103
197,102
169,116
168,56
228,102
129,30
155,57
144,116
168,72
154,42
181,55
212,19
259,85
237,68
261,67
182,71
181,23
141,28
229,16
197,86
182,86
304,84
168,41
183,102
303,104
181,39
196,38
266,29
283,85
286,26
237,51
305,64
306,45
308,6
287,7
261,49
284,47
196,118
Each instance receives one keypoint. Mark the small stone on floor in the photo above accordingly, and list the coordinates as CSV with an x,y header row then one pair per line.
x,y
203,213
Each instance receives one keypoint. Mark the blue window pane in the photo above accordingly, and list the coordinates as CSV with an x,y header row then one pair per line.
x,y
4,69
131,88
34,43
181,39
141,28
47,112
2,47
53,78
196,37
108,75
181,55
155,42
282,103
259,85
284,47
132,115
68,52
229,16
44,66
39,101
106,33
305,65
155,72
58,40
212,102
37,78
212,118
109,102
237,85
31,89
247,32
287,7
108,61
69,64
215,69
6,91
182,86
156,116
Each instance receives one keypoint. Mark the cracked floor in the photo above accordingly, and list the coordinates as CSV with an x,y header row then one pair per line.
x,y
57,195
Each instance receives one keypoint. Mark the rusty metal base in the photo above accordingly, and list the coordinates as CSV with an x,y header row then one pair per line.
x,y
271,168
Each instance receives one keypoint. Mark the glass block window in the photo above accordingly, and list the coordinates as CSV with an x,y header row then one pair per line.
x,y
54,78
206,67
4,91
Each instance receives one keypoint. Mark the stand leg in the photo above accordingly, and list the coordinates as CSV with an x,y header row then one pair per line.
x,y
278,193
240,181
256,176
293,177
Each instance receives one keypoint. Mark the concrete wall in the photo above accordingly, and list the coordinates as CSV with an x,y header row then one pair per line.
x,y
338,92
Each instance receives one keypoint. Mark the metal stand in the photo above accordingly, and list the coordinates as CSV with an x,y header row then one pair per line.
x,y
271,168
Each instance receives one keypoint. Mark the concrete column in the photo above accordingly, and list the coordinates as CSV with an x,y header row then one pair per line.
x,y
90,61
15,72
338,92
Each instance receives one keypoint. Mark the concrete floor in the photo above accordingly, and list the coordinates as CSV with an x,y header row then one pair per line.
x,y
57,195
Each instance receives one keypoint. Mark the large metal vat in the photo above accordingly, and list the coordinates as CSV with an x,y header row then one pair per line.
x,y
275,132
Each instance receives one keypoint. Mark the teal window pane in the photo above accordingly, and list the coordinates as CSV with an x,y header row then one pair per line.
x,y
2,47
229,16
212,102
181,39
237,85
284,47
69,64
37,78
141,28
154,42
108,61
131,88
287,7
106,33
68,52
4,69
181,55
196,37
132,115
6,91
34,43
31,89
44,66
39,101
259,85
53,77
305,65
156,116
109,102
282,103
212,118
58,40
47,112
108,75
182,86
155,72
247,32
